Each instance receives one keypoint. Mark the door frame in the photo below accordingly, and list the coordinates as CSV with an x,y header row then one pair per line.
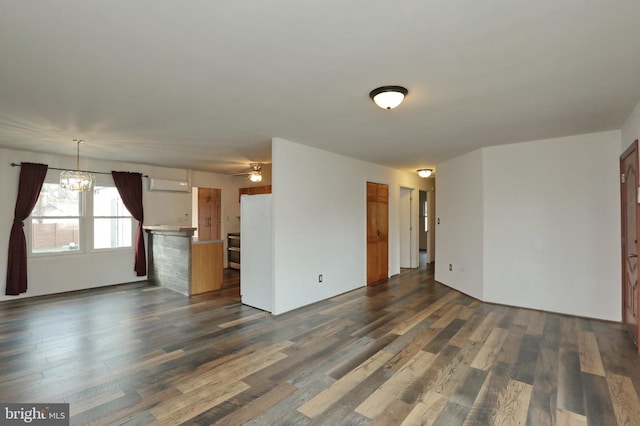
x,y
404,191
632,150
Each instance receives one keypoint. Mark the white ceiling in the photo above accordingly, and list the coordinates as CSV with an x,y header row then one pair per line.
x,y
206,84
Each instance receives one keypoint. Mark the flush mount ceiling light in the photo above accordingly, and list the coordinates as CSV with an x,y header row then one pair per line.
x,y
388,97
76,180
425,173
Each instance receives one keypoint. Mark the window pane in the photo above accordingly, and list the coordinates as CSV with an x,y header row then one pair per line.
x,y
107,202
56,201
54,235
111,233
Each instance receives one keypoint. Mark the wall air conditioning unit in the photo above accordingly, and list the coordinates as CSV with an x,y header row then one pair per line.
x,y
169,185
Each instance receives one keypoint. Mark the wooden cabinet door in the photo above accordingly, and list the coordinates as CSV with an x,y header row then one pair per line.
x,y
209,213
204,231
377,232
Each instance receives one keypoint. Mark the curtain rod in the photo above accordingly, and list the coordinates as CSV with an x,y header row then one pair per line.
x,y
86,171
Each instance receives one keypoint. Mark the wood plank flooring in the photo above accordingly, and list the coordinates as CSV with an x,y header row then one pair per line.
x,y
408,351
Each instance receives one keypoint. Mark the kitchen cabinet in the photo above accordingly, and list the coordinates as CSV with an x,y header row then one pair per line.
x,y
182,263
209,213
377,232
254,190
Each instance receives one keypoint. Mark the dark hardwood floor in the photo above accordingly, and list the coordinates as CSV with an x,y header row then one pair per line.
x,y
407,351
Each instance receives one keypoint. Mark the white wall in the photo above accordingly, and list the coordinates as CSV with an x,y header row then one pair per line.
x,y
552,225
547,216
319,222
631,128
458,236
61,273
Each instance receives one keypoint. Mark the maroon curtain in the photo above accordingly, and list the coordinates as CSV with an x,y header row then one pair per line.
x,y
130,188
31,179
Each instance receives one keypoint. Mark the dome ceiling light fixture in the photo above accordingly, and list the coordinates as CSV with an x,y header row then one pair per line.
x,y
425,173
388,97
77,180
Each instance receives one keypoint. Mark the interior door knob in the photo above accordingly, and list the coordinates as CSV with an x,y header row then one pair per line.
x,y
633,255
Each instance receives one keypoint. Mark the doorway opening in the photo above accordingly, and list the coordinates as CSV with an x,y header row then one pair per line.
x,y
423,228
408,257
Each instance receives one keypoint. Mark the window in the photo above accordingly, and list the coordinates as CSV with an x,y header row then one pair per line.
x,y
69,222
55,220
112,222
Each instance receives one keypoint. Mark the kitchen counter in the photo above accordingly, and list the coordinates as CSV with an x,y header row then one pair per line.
x,y
198,241
170,229
182,263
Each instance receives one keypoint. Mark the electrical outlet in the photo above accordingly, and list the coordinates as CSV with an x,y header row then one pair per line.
x,y
320,278
450,267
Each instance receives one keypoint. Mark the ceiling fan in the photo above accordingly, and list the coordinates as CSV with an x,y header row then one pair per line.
x,y
254,172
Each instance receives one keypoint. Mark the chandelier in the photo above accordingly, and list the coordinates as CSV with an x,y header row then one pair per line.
x,y
76,180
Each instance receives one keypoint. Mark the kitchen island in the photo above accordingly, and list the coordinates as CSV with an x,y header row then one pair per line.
x,y
182,263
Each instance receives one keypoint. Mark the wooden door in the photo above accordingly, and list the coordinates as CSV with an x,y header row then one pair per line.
x,y
377,232
209,213
630,228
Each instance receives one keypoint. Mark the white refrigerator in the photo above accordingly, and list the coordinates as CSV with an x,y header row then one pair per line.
x,y
256,251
